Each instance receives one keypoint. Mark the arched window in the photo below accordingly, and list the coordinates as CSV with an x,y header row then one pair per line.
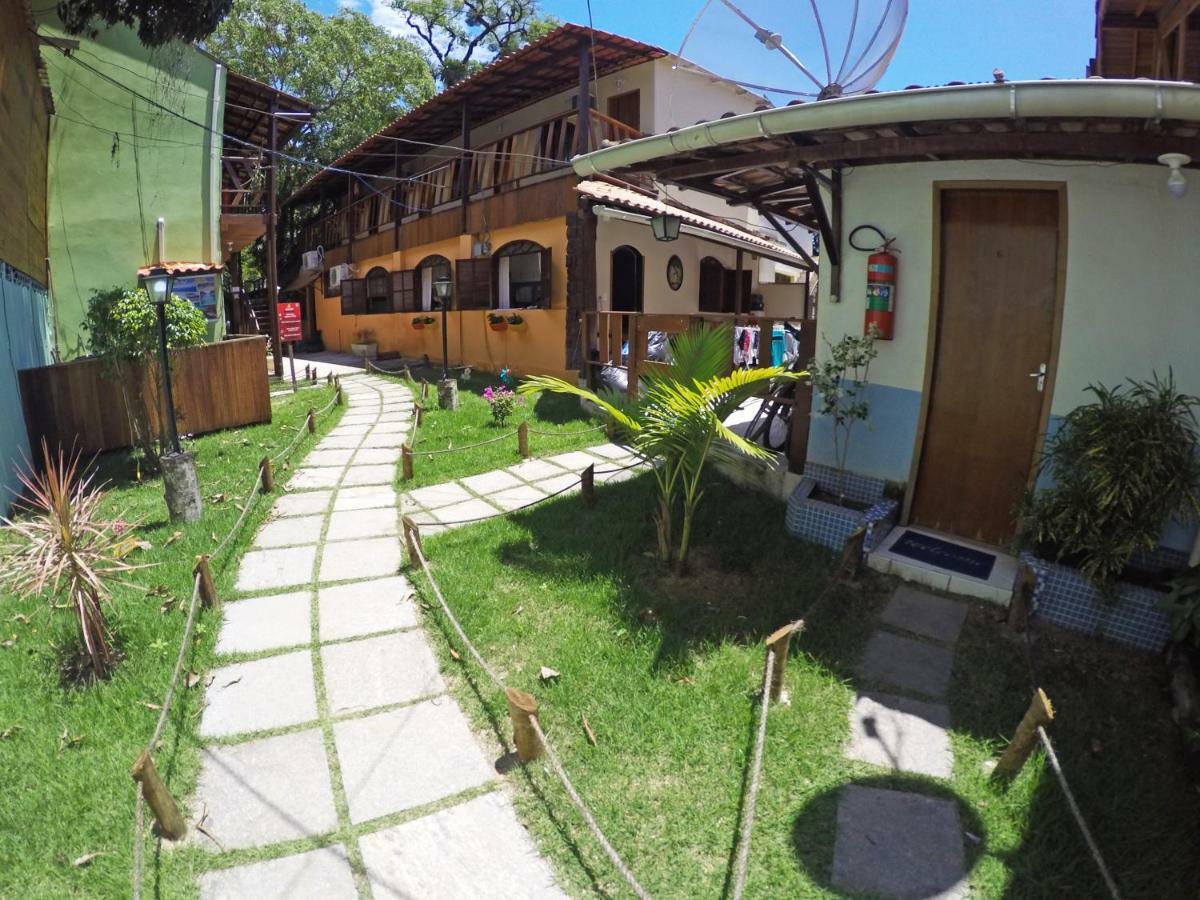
x,y
379,290
522,276
431,269
712,280
627,280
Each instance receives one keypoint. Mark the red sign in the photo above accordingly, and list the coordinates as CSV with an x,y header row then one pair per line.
x,y
289,322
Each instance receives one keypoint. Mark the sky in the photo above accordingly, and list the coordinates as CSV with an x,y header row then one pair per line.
x,y
944,40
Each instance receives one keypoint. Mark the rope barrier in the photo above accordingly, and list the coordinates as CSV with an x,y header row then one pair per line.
x,y
568,433
138,825
503,437
251,498
743,854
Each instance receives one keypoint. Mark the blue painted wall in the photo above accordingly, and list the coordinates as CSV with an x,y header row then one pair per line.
x,y
882,446
24,343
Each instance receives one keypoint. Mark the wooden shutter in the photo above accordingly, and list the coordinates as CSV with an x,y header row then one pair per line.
x,y
547,281
404,291
473,283
354,297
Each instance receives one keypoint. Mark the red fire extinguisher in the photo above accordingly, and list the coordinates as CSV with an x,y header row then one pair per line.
x,y
882,266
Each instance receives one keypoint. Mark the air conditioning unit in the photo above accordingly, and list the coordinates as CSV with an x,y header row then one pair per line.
x,y
314,259
338,274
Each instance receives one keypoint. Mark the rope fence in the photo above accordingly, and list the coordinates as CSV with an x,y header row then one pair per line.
x,y
755,780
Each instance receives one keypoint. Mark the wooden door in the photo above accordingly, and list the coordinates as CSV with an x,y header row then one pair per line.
x,y
999,276
627,108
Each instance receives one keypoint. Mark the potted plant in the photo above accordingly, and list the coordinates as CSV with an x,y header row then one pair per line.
x,y
830,503
1116,472
364,344
497,322
516,322
420,322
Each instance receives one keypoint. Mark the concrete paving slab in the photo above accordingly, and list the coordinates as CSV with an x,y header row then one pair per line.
x,y
475,849
349,430
364,498
906,663
265,623
301,504
384,440
330,442
463,513
516,497
264,791
576,461
370,558
254,696
361,523
902,734
365,607
390,414
622,475
377,456
328,457
490,482
403,758
290,532
378,671
316,875
262,570
610,451
397,428
440,495
359,475
533,469
355,417
926,614
558,483
898,844
315,478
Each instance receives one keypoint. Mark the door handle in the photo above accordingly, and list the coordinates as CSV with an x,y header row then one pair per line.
x,y
1040,375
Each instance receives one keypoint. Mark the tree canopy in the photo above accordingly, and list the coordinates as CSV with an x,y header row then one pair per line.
x,y
157,21
462,35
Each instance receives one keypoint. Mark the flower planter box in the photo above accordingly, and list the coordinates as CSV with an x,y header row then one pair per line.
x,y
829,524
516,326
498,326
366,351
1063,596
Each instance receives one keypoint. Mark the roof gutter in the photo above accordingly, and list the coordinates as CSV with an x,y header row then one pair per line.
x,y
1081,98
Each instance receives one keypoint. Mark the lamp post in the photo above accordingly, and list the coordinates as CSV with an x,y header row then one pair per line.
x,y
447,387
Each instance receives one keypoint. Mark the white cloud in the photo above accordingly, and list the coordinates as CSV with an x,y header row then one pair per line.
x,y
349,4
389,18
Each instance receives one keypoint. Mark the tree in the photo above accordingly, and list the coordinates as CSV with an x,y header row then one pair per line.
x,y
678,420
157,21
356,75
841,382
458,34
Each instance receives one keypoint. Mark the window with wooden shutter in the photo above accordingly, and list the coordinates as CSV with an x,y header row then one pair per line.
x,y
354,297
473,283
404,291
544,300
379,293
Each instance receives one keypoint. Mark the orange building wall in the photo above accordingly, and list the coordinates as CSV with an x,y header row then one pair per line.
x,y
538,349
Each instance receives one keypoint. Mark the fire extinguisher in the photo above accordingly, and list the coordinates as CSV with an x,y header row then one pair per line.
x,y
882,266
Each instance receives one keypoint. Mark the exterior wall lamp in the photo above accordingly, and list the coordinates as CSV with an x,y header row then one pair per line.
x,y
1176,181
665,227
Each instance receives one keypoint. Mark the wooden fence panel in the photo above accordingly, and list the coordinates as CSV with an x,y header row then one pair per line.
x,y
221,385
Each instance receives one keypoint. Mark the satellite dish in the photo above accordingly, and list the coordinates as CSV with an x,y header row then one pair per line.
x,y
803,49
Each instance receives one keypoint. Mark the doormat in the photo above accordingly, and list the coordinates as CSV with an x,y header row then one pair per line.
x,y
944,554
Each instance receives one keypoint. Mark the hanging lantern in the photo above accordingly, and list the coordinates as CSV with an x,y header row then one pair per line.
x,y
665,227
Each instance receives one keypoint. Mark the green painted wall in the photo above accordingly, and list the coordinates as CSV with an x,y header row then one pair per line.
x,y
117,163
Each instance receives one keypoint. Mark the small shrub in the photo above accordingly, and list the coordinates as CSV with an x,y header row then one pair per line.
x,y
503,403
842,383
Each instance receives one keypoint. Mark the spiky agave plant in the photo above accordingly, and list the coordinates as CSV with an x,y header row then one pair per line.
x,y
60,546
678,420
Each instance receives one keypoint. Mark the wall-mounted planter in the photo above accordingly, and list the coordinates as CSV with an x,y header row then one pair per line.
x,y
828,523
498,326
516,326
1065,597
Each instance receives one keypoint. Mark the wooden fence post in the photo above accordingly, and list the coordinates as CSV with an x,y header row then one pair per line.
x,y
521,707
424,388
308,373
328,378
412,540
852,554
208,590
419,410
780,641
268,475
587,484
337,397
313,377
523,440
1022,598
171,824
1039,714
406,461
311,421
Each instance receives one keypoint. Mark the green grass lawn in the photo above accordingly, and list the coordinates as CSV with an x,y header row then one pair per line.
x,y
569,427
66,751
665,671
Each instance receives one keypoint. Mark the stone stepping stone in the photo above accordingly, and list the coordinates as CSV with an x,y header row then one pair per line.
x,y
350,430
610,451
490,482
265,623
350,560
290,532
395,427
359,475
366,607
371,497
264,791
898,844
302,504
516,497
316,875
907,663
379,671
533,469
255,696
317,478
925,614
575,461
440,495
361,523
262,570
328,458
339,442
902,734
378,456
558,483
461,513
475,849
383,439
407,757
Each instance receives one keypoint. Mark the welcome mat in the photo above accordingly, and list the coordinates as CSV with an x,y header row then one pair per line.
x,y
944,554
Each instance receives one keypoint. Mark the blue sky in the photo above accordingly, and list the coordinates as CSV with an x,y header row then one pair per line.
x,y
945,40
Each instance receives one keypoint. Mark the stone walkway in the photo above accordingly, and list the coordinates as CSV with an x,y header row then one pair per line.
x,y
903,843
331,744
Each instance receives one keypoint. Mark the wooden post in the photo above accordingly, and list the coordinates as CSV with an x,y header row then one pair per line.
x,y
407,374
171,824
272,242
424,389
418,409
780,641
307,372
338,397
328,378
1039,714
1022,598
412,540
852,554
521,707
587,484
523,440
268,475
610,429
406,461
311,421
208,590
313,376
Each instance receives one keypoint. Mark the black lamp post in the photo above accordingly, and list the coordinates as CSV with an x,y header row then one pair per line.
x,y
158,285
441,289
